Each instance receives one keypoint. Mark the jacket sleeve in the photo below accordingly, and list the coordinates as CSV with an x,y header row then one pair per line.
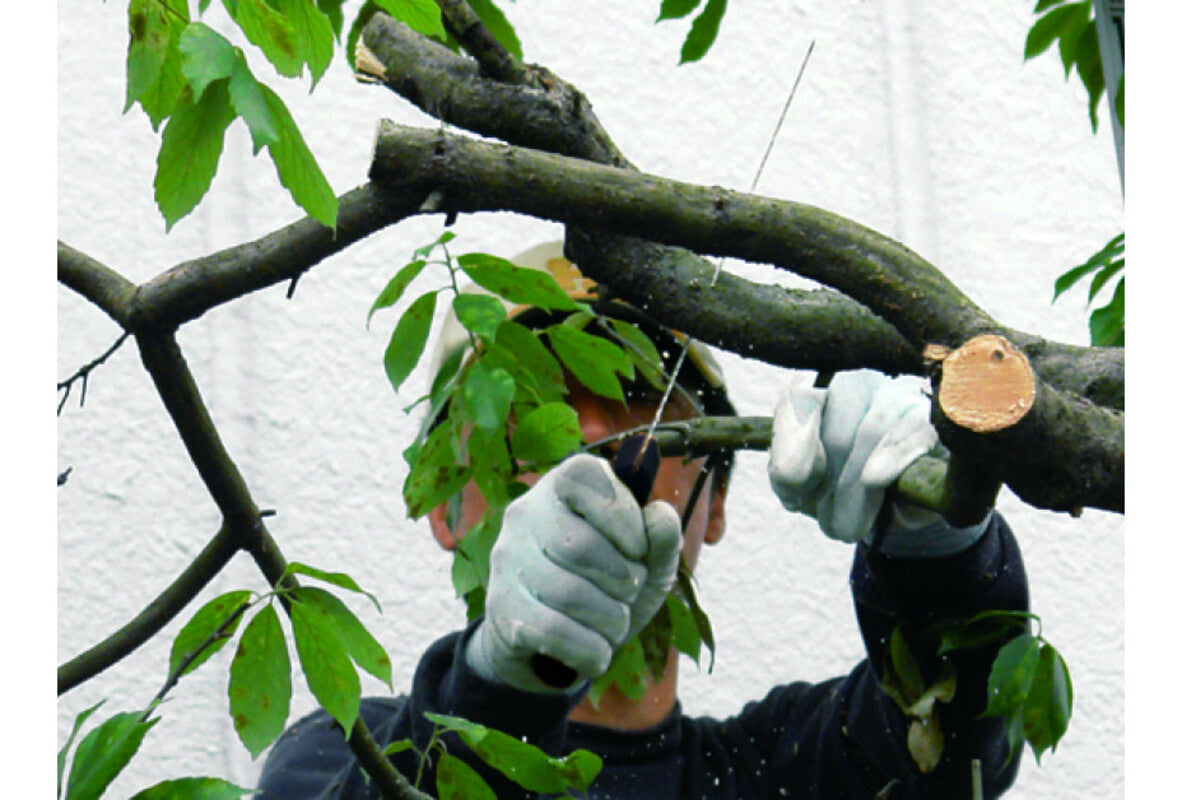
x,y
312,759
846,738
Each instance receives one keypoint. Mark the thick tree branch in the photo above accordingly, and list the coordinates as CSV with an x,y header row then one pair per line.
x,y
154,617
98,283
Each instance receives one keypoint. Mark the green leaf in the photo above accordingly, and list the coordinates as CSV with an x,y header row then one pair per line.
x,y
1107,324
643,352
904,666
488,391
627,671
422,16
409,339
496,23
1091,70
516,284
103,753
250,102
986,628
202,626
676,9
398,746
154,76
296,166
469,568
193,789
397,285
480,314
436,474
79,721
1050,27
1103,276
313,33
359,643
703,32
1048,706
339,579
455,780
327,667
523,763
655,639
332,10
520,352
686,637
206,56
549,433
189,152
1043,5
1069,35
593,360
364,15
271,32
260,682
1011,676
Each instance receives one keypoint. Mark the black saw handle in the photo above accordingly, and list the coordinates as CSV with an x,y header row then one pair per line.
x,y
636,466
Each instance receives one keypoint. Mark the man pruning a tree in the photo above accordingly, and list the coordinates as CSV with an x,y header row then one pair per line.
x,y
581,564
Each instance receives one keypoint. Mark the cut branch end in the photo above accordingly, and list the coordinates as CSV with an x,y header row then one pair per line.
x,y
987,385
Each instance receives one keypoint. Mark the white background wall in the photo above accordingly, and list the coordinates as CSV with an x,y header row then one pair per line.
x,y
917,119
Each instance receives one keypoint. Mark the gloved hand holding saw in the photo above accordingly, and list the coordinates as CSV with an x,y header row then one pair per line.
x,y
578,568
835,451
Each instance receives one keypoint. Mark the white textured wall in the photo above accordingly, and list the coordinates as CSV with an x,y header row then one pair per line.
x,y
917,119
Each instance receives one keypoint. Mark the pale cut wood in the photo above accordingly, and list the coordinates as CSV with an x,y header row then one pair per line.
x,y
987,384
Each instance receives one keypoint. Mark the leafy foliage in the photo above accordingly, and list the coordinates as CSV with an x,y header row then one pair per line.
x,y
1073,27
704,29
498,410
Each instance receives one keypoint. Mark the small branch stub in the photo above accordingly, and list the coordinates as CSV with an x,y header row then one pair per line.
x,y
987,385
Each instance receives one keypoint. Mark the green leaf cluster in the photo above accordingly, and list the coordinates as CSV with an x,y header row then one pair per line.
x,y
497,409
1029,684
1107,323
1073,27
191,79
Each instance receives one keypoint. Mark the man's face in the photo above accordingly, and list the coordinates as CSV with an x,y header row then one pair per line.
x,y
600,418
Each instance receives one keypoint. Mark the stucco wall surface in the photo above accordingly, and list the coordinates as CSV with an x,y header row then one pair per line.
x,y
916,119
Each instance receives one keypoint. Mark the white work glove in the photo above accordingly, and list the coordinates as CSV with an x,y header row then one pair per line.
x,y
577,569
835,451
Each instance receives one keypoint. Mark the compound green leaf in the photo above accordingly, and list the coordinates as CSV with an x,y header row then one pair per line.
x,y
519,351
488,392
676,9
206,56
193,789
517,284
497,24
313,34
409,339
1091,70
79,721
1103,276
271,32
397,285
189,152
103,753
327,667
548,433
359,643
250,102
1070,32
593,360
225,610
455,780
1048,706
1011,676
703,31
296,166
338,579
260,682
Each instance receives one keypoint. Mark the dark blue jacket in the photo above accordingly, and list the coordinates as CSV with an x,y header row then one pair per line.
x,y
843,738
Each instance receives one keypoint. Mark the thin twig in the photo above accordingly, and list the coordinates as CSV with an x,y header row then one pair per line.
x,y
83,374
497,62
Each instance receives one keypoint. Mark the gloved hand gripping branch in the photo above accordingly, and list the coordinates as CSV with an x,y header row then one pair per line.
x,y
835,451
578,568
